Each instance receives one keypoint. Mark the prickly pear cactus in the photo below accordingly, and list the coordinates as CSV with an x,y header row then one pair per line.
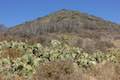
x,y
33,55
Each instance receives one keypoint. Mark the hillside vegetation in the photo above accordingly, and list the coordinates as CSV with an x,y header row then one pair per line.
x,y
78,29
64,45
58,61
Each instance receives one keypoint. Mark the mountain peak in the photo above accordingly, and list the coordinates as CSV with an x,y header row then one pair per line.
x,y
65,20
64,10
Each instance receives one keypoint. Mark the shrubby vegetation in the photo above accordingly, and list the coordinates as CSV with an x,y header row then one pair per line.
x,y
88,48
23,60
93,32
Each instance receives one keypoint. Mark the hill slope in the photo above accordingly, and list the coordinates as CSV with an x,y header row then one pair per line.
x,y
65,21
79,29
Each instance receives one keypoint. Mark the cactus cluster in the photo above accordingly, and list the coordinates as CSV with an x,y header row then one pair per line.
x,y
35,54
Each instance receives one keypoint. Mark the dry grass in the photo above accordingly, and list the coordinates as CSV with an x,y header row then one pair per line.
x,y
116,43
1,77
65,70
106,71
11,53
58,70
18,78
